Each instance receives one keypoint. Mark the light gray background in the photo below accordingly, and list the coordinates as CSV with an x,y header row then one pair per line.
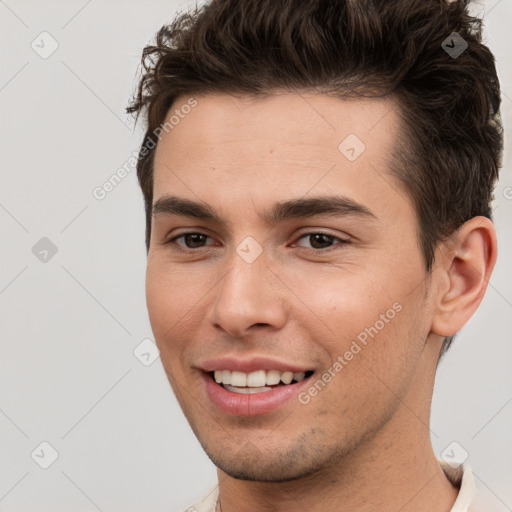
x,y
69,326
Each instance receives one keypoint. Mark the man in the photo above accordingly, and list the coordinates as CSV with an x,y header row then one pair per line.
x,y
317,178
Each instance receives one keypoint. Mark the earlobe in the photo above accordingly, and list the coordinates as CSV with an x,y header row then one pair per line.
x,y
469,262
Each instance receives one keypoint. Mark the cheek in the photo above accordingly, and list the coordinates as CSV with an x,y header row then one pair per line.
x,y
170,301
370,359
158,300
344,301
379,310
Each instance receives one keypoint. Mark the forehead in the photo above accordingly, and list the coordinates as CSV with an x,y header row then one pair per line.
x,y
307,118
278,146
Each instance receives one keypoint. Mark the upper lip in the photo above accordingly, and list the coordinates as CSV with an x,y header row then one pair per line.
x,y
251,365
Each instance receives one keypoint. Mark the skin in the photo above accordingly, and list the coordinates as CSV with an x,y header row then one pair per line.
x,y
363,442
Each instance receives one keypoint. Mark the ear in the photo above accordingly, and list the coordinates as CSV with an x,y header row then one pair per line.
x,y
463,271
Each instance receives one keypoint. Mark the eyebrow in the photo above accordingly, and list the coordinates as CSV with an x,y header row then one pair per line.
x,y
338,206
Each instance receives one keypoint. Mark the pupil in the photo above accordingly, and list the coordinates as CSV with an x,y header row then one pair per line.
x,y
193,236
316,237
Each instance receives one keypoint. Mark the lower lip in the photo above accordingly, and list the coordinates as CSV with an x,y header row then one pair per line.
x,y
251,404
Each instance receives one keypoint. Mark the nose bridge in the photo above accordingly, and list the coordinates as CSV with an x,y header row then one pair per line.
x,y
247,295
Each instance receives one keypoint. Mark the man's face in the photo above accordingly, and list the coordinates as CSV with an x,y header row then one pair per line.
x,y
295,293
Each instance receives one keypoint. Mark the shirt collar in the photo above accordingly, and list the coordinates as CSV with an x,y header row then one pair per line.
x,y
461,476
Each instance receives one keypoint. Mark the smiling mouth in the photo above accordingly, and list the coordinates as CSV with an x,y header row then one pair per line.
x,y
259,381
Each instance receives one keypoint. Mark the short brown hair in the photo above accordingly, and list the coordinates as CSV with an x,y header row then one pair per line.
x,y
348,48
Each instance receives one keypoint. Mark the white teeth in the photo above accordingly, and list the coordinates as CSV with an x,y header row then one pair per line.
x,y
273,377
238,379
257,379
286,377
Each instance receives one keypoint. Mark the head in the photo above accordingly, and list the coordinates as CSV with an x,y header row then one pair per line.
x,y
261,110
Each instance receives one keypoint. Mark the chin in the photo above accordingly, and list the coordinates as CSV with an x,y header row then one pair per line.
x,y
268,471
305,457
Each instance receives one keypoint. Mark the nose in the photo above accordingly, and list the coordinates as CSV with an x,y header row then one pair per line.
x,y
248,296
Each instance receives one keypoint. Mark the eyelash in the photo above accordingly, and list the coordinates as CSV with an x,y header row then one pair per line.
x,y
304,235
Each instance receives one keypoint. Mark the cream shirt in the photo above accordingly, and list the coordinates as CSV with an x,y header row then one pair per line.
x,y
462,477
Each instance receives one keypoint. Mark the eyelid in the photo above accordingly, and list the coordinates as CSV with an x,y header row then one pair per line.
x,y
319,231
336,246
323,231
173,238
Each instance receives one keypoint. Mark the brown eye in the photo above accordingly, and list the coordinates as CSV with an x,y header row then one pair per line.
x,y
322,242
191,240
194,240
